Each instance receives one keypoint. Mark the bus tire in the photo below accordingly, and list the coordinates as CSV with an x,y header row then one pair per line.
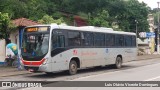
x,y
118,63
72,67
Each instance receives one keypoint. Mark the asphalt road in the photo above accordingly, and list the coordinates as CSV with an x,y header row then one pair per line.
x,y
144,70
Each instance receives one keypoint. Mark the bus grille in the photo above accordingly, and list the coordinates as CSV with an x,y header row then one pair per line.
x,y
31,68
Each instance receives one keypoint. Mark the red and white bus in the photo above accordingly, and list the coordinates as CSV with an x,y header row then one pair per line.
x,y
54,48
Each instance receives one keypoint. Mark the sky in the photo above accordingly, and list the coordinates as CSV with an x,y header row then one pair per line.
x,y
151,3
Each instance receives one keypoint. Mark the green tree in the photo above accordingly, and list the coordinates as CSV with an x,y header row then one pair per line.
x,y
121,13
155,13
36,9
5,25
100,19
138,11
14,8
48,20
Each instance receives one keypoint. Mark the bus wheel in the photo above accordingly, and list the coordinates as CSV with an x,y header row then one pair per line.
x,y
118,63
72,67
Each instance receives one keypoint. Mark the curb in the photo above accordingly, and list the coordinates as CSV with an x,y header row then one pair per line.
x,y
147,58
15,74
2,64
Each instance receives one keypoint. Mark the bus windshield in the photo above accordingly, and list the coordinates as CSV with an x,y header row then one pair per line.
x,y
35,44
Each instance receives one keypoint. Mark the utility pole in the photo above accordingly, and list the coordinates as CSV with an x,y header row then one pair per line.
x,y
136,27
136,33
158,30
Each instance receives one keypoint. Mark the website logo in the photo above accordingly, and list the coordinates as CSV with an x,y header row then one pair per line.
x,y
6,84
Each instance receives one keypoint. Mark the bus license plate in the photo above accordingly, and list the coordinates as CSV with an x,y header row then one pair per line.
x,y
31,70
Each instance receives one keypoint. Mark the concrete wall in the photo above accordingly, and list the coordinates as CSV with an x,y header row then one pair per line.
x,y
2,50
14,37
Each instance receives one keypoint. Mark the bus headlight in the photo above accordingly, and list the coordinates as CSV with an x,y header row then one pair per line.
x,y
45,61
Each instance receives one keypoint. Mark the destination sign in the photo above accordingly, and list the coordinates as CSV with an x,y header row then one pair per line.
x,y
33,29
36,29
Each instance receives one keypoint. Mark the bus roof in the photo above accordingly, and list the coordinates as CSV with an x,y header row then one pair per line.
x,y
87,28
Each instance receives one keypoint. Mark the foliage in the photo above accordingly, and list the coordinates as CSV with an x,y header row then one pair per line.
x,y
155,13
14,8
125,12
5,25
100,19
118,14
48,20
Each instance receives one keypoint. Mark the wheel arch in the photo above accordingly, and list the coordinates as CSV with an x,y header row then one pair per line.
x,y
120,57
77,60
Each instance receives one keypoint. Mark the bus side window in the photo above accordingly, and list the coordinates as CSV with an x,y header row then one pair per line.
x,y
99,39
74,38
61,41
128,41
119,40
54,42
58,41
110,39
134,41
87,39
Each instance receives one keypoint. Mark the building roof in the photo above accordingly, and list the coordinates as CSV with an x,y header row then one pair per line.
x,y
24,22
80,21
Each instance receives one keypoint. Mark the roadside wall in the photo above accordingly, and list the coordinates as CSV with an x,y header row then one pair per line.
x,y
14,37
2,51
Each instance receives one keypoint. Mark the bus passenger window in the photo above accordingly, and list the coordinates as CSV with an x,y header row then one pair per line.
x,y
61,40
58,41
134,41
74,39
110,40
119,40
87,39
99,39
54,42
128,40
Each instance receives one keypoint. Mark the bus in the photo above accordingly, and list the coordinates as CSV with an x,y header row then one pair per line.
x,y
54,48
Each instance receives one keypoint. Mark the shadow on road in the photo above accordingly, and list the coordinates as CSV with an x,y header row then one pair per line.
x,y
82,72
